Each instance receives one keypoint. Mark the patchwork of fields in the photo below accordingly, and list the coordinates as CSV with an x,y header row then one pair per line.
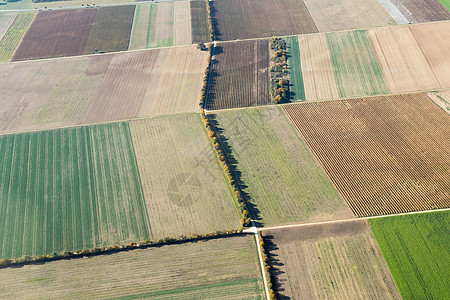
x,y
63,92
329,261
384,154
240,75
69,189
223,268
416,249
14,35
283,179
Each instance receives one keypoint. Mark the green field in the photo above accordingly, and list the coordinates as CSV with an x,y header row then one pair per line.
x,y
417,251
446,4
199,22
19,4
355,65
14,35
6,19
111,29
285,182
295,70
225,268
69,189
143,26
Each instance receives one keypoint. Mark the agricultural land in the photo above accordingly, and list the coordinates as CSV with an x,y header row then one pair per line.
x,y
426,10
416,249
90,89
240,19
281,176
199,21
329,261
335,15
240,75
297,90
69,189
184,187
442,99
6,19
385,154
445,3
14,35
223,268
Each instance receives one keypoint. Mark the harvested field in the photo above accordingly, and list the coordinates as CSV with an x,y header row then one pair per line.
x,y
442,99
156,82
404,65
69,189
297,91
240,75
13,36
334,15
384,154
6,19
216,269
45,94
181,177
329,261
355,66
199,21
436,48
400,13
75,3
416,249
240,19
56,33
111,29
318,76
427,10
285,183
163,24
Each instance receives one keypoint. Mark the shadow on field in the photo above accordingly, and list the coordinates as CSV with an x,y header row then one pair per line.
x,y
211,90
226,148
275,266
215,24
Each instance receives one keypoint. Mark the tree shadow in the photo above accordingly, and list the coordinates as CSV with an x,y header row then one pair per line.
x,y
214,22
233,164
275,266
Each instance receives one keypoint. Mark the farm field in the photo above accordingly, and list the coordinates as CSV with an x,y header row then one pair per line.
x,y
442,99
335,15
69,189
404,64
398,11
13,5
329,261
14,35
111,29
181,177
56,33
297,90
317,71
199,21
355,64
445,3
215,269
385,155
81,90
240,75
284,181
164,24
416,249
6,19
426,10
75,3
240,19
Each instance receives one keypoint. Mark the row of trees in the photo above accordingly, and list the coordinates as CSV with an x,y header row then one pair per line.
x,y
279,71
210,23
267,268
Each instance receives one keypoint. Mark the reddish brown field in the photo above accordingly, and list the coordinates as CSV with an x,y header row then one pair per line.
x,y
56,33
240,75
385,155
427,10
239,19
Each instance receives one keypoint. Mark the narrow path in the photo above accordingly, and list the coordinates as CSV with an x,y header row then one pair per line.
x,y
258,229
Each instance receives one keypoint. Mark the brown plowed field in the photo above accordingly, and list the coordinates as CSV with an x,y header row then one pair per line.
x,y
318,76
384,154
56,33
329,261
427,10
404,65
433,39
240,75
239,19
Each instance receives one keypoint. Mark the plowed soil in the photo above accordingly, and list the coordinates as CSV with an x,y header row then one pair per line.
x,y
384,154
427,10
56,33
